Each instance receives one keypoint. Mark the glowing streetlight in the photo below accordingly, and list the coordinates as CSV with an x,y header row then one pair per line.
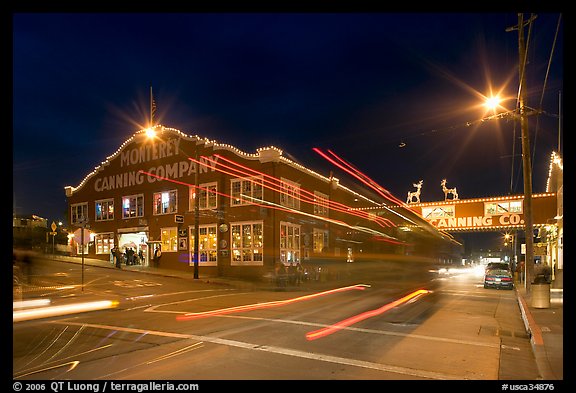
x,y
493,103
150,133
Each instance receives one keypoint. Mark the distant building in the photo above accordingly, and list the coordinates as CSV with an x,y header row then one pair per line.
x,y
553,233
29,231
253,210
26,222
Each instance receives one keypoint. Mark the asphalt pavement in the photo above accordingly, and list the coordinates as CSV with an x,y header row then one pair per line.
x,y
543,319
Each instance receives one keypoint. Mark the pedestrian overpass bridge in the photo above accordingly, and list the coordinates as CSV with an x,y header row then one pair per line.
x,y
502,213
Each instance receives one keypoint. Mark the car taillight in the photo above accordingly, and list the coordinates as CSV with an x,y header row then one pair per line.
x,y
506,279
489,278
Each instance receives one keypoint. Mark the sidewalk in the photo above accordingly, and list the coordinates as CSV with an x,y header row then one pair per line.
x,y
546,329
158,271
544,325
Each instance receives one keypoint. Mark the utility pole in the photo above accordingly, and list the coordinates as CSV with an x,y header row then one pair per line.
x,y
526,162
196,214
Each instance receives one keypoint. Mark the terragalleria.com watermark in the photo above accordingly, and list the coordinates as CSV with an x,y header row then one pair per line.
x,y
104,386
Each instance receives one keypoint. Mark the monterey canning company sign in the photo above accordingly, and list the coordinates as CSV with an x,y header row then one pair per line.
x,y
493,213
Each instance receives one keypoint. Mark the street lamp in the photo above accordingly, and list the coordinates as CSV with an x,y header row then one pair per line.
x,y
507,238
492,103
522,114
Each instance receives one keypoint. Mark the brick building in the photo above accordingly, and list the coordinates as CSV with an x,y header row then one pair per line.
x,y
253,210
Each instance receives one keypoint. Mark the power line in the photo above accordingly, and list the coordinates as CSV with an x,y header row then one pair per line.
x,y
544,87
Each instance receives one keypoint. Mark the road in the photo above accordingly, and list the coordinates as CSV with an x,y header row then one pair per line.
x,y
168,328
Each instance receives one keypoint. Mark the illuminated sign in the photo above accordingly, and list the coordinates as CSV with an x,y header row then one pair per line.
x,y
476,221
486,213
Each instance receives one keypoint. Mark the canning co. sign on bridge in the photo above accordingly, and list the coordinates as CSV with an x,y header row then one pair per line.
x,y
486,213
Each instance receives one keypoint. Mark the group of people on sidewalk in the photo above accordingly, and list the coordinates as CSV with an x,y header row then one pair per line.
x,y
129,257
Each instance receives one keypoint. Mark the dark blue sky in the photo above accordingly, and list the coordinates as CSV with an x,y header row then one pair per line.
x,y
359,84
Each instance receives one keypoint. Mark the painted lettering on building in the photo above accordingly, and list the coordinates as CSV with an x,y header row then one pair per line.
x,y
476,221
149,152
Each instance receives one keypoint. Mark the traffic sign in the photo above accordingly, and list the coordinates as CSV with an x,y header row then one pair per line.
x,y
53,226
178,218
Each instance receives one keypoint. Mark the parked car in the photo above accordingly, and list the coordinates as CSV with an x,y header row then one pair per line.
x,y
498,278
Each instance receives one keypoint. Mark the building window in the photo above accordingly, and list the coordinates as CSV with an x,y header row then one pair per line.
x,y
290,194
321,204
289,243
105,210
247,244
243,191
320,240
207,244
133,206
169,239
79,212
104,242
503,207
165,202
208,196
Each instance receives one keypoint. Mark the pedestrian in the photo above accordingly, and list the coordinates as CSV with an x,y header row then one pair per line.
x,y
130,256
280,273
299,273
118,256
292,274
140,257
157,255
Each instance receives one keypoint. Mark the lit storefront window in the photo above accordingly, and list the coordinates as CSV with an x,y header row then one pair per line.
x,y
320,240
169,239
321,204
133,206
244,190
208,196
207,244
290,194
165,202
289,243
105,210
104,242
78,211
247,244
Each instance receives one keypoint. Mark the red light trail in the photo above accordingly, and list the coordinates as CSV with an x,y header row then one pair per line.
x,y
270,205
277,185
348,168
259,306
316,334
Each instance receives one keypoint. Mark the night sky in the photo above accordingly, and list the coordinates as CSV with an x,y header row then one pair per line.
x,y
396,94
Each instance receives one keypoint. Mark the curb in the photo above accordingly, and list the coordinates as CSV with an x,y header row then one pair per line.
x,y
536,339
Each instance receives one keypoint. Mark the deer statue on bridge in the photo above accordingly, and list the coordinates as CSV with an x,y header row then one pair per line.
x,y
449,191
415,194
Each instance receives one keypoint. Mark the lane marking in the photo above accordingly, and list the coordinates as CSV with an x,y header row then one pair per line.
x,y
321,325
153,308
279,350
370,331
177,352
175,293
26,372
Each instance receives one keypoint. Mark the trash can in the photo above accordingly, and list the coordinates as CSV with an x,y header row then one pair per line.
x,y
540,295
